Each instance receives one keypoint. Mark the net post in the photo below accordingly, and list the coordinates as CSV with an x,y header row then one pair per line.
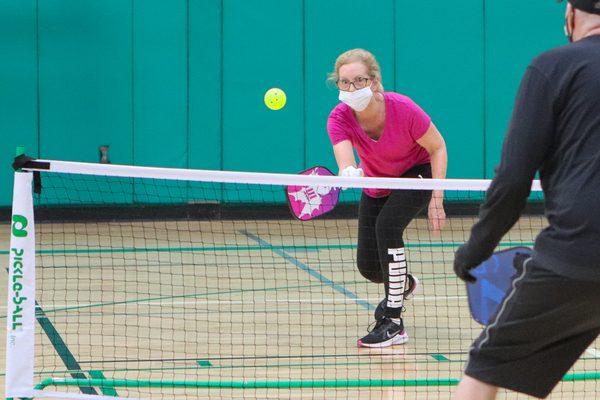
x,y
19,151
20,321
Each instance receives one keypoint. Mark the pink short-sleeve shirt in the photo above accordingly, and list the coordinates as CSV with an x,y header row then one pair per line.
x,y
396,151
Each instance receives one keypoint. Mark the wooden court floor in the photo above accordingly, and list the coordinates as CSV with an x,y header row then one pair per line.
x,y
247,301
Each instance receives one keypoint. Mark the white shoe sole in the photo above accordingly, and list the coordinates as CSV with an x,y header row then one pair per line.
x,y
415,289
400,338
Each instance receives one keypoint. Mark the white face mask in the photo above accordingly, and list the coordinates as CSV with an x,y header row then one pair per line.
x,y
357,100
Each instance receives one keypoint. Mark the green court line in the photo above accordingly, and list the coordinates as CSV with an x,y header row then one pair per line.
x,y
439,357
204,363
186,296
170,249
340,288
301,365
278,384
324,365
201,295
437,278
61,348
177,249
107,390
265,366
333,265
251,248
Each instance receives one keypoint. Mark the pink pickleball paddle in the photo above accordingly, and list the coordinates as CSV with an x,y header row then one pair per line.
x,y
309,202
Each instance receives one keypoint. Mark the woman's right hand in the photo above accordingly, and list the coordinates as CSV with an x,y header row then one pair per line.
x,y
352,171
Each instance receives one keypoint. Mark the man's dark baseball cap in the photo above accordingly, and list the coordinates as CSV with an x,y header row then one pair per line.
x,y
589,6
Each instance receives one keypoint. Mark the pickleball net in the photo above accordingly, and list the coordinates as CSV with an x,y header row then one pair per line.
x,y
167,283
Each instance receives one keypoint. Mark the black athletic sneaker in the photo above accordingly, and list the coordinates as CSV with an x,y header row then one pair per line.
x,y
413,283
386,333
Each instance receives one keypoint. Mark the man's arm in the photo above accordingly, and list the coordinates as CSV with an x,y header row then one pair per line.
x,y
526,146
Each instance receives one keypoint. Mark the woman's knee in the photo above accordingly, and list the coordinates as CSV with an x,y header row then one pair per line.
x,y
370,270
386,228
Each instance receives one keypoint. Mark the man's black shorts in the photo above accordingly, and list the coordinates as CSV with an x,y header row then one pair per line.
x,y
545,323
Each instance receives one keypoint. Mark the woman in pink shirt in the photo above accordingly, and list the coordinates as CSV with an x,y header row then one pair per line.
x,y
393,137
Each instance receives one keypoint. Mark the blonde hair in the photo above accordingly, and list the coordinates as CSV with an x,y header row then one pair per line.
x,y
358,55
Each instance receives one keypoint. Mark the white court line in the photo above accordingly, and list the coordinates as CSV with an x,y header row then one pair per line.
x,y
593,352
436,298
423,299
65,395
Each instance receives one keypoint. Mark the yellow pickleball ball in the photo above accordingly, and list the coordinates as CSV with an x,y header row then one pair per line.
x,y
275,99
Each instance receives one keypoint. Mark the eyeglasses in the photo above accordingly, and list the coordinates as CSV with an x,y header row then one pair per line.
x,y
358,83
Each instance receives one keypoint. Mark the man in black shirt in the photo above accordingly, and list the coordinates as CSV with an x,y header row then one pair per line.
x,y
552,313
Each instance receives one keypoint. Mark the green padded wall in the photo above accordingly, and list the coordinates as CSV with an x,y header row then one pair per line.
x,y
329,32
439,64
85,84
160,83
160,135
205,83
181,83
18,88
85,79
262,48
513,39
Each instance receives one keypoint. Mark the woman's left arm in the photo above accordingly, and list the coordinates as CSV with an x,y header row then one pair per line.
x,y
435,145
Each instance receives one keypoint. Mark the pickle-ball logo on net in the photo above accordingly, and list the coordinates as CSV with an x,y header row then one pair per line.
x,y
19,223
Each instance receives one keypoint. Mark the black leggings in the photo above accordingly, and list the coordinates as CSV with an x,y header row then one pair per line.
x,y
381,224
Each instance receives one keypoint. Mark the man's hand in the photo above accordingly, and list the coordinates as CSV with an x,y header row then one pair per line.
x,y
462,265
